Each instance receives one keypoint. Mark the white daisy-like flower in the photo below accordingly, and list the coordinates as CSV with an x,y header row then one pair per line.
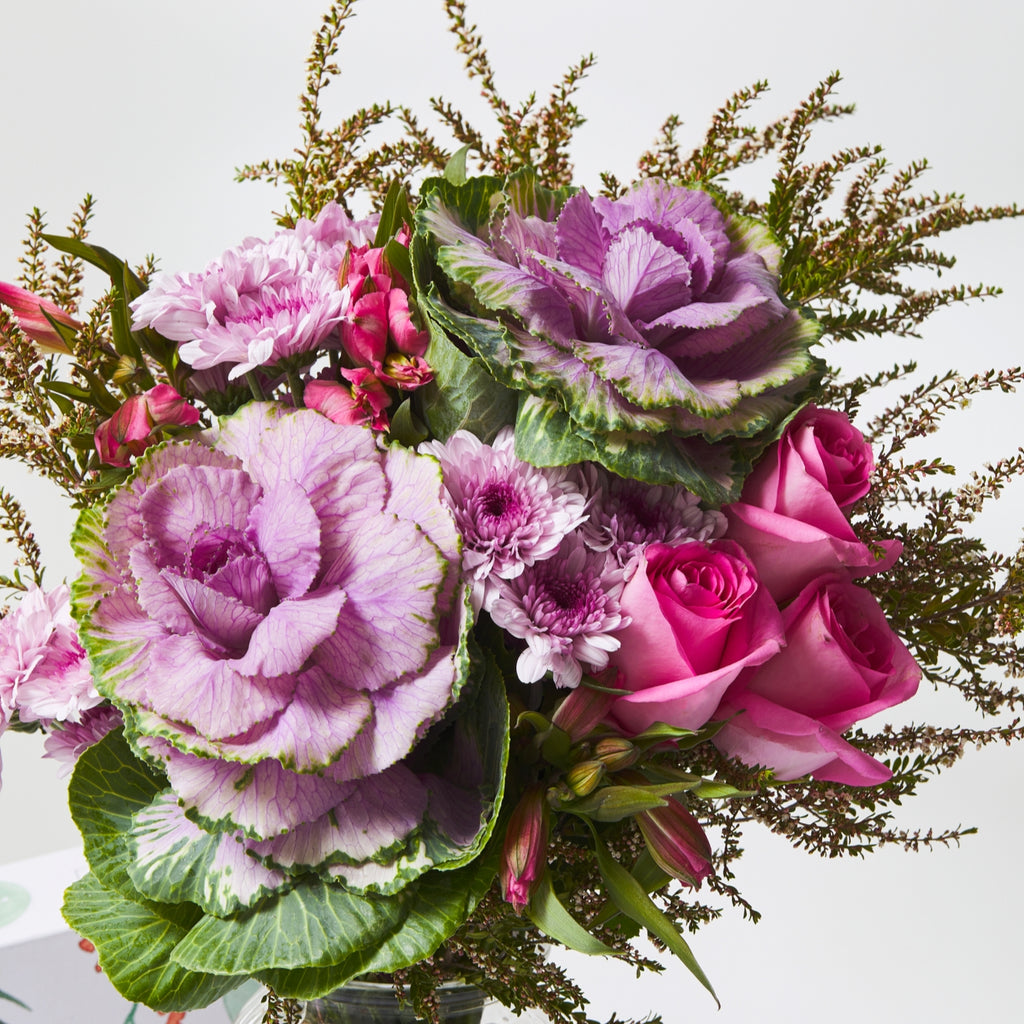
x,y
566,609
510,514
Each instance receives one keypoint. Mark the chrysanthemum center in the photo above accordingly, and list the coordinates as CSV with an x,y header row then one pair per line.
x,y
499,500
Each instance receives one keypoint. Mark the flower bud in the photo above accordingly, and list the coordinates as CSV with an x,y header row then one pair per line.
x,y
29,310
582,711
524,858
134,427
677,842
584,778
615,752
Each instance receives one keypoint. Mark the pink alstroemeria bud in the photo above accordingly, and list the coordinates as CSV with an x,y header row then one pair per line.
x,y
582,711
28,310
524,858
134,427
677,842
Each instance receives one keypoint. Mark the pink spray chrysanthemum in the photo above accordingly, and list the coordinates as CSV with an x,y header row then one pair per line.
x,y
510,514
66,743
626,515
261,302
43,671
566,609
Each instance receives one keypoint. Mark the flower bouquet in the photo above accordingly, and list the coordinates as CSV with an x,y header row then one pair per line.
x,y
464,575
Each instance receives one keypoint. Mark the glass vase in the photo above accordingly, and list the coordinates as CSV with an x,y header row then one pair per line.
x,y
367,1002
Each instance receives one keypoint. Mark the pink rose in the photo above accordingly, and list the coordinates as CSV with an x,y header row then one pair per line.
x,y
699,616
136,425
842,663
791,520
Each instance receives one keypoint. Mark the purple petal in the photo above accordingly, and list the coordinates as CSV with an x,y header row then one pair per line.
x,y
369,573
371,817
188,498
644,276
582,239
265,798
218,702
288,534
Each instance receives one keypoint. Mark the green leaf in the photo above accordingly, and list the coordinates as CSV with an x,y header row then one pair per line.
x,y
648,873
406,427
314,925
629,896
393,214
109,785
455,168
464,395
440,902
135,942
551,917
13,999
479,734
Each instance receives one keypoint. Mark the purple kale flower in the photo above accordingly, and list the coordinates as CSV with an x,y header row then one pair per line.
x,y
279,614
646,331
262,302
509,513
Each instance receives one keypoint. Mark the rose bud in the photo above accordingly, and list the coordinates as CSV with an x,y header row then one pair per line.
x,y
524,858
29,310
677,842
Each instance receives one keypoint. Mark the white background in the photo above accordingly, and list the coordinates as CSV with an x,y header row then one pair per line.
x,y
151,107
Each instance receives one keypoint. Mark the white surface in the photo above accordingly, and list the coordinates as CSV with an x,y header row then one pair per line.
x,y
44,878
150,106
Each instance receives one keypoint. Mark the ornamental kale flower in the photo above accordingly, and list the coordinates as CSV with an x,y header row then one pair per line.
x,y
279,614
510,514
644,332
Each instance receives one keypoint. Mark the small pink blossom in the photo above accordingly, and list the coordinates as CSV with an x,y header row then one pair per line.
x,y
29,310
625,515
44,674
137,424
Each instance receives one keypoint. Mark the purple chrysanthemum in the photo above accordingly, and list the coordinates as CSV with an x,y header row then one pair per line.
x,y
510,514
261,302
566,609
281,618
626,515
